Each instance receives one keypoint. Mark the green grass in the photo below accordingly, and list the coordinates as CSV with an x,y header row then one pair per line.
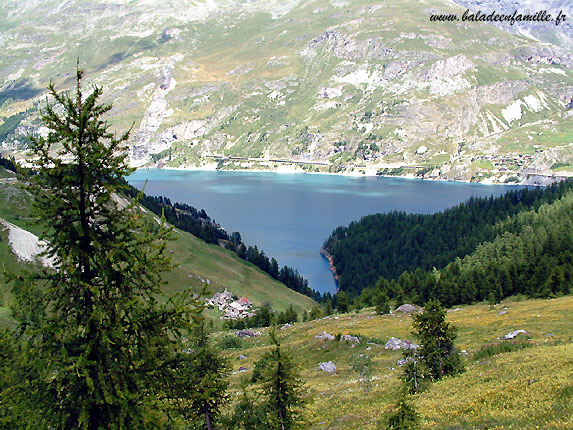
x,y
223,268
527,389
499,348
6,173
340,403
483,164
194,261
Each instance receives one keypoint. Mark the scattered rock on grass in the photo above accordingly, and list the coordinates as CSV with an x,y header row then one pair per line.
x,y
328,367
324,335
407,308
247,333
349,338
513,334
395,344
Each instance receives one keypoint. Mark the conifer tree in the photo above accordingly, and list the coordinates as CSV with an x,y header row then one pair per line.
x,y
201,378
248,413
281,386
100,355
342,302
437,338
403,417
382,303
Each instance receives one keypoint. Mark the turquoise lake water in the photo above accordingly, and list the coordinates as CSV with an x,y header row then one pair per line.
x,y
289,216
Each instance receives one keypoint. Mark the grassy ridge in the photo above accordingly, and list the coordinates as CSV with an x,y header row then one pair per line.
x,y
223,268
195,262
503,387
525,389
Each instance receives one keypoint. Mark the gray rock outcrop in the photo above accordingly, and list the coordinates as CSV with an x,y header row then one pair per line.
x,y
407,308
513,334
324,335
349,338
395,344
328,367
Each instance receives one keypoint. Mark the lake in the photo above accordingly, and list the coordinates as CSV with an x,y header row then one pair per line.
x,y
289,216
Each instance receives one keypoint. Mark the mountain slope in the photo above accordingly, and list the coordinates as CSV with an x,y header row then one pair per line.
x,y
521,389
386,245
330,85
195,261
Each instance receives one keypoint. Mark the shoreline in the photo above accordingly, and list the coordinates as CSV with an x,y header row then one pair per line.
x,y
369,173
331,266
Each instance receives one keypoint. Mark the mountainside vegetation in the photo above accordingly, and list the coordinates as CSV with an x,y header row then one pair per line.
x,y
321,85
195,261
199,224
524,382
516,243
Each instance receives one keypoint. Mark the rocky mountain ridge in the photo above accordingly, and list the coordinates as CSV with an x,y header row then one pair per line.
x,y
327,86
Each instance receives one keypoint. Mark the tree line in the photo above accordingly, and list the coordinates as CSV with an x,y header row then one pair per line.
x,y
8,164
532,255
199,224
387,245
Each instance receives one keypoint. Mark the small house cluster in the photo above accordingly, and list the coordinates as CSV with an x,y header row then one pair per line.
x,y
232,309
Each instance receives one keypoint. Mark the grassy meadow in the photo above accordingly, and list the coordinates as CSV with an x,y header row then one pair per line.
x,y
528,388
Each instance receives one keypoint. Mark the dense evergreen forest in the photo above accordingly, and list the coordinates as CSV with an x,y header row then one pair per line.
x,y
388,245
198,223
531,255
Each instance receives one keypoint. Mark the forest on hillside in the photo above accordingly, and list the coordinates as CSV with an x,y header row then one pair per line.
x,y
520,242
198,223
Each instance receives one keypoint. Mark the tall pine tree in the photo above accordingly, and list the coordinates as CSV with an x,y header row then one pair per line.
x,y
106,345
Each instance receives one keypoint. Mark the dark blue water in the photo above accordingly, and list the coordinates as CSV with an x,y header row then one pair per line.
x,y
289,216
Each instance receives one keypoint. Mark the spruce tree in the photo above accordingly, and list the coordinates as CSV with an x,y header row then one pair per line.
x,y
382,303
105,346
342,302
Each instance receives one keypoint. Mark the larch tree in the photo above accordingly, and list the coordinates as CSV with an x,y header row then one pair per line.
x,y
281,385
201,380
103,354
437,350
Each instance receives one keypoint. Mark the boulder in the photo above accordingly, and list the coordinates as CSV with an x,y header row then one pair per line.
x,y
395,344
242,357
247,333
407,308
513,334
328,367
287,325
243,369
350,338
324,335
